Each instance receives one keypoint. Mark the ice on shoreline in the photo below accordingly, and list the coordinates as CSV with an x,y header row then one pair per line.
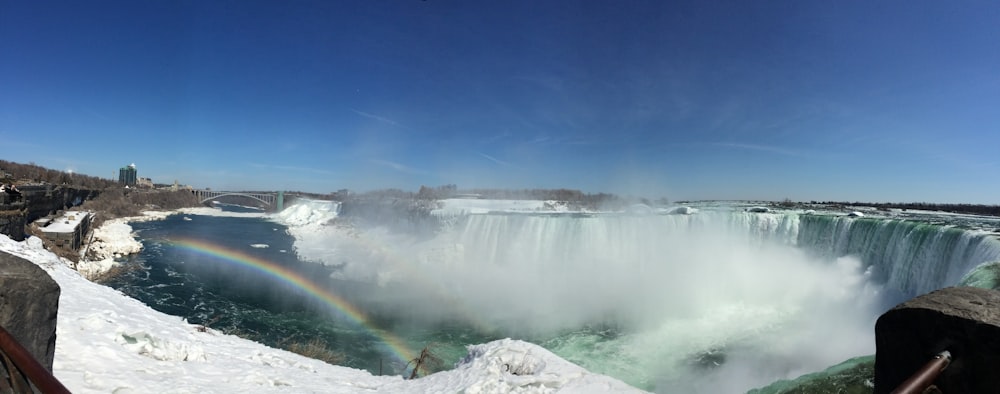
x,y
209,211
112,240
108,342
309,222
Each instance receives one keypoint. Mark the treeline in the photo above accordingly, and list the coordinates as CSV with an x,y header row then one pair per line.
x,y
11,172
119,202
588,200
975,209
451,191
603,201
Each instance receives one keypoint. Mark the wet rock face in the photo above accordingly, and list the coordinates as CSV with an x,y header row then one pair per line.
x,y
963,320
29,300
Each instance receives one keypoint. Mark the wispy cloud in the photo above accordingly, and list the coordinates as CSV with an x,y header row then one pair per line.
x,y
493,159
497,137
580,141
292,168
547,140
960,160
398,167
95,114
541,139
376,117
762,148
11,142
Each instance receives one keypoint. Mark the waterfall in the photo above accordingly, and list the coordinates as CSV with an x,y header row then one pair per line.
x,y
612,239
911,257
775,294
908,256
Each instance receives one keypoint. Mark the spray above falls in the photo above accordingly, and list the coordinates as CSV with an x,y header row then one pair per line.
x,y
756,289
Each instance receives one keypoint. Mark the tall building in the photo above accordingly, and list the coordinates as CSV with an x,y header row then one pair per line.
x,y
127,175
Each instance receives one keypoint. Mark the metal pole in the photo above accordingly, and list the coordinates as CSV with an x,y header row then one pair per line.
x,y
925,376
26,363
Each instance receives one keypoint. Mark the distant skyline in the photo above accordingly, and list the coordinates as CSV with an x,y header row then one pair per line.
x,y
809,100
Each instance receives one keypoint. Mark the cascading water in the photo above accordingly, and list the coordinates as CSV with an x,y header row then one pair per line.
x,y
697,298
657,300
719,301
911,257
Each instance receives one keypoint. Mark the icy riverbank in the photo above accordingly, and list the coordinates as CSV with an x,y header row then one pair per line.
x,y
108,342
114,238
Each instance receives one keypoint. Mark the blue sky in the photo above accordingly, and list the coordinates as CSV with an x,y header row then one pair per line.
x,y
808,100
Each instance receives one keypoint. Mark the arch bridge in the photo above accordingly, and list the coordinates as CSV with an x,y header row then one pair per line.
x,y
273,200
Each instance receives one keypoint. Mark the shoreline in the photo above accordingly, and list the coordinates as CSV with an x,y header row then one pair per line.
x,y
115,238
109,342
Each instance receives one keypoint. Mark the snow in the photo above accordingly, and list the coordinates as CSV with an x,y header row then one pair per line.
x,y
108,342
208,211
66,223
683,211
309,222
460,206
113,239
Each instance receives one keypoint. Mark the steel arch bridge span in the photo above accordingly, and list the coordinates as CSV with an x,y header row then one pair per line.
x,y
207,195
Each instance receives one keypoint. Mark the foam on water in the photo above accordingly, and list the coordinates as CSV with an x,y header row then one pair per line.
x,y
674,290
716,301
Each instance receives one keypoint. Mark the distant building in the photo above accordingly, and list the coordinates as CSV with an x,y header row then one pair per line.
x,y
127,175
146,182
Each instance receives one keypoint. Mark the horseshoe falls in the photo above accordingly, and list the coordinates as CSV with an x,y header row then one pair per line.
x,y
722,300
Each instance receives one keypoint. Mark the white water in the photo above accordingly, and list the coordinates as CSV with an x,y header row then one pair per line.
x,y
110,343
772,295
766,295
910,257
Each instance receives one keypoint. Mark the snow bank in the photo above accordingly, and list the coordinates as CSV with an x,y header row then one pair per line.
x,y
108,342
113,239
683,211
308,212
461,206
510,366
310,223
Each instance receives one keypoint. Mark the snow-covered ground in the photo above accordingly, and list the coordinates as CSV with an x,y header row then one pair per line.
x,y
460,206
113,239
108,342
66,223
310,223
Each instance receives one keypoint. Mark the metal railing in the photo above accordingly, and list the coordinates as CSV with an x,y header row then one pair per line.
x,y
925,376
21,373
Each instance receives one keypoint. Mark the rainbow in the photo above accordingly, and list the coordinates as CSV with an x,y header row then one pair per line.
x,y
394,344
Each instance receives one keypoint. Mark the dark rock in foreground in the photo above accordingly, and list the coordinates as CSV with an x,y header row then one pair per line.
x,y
29,300
962,320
